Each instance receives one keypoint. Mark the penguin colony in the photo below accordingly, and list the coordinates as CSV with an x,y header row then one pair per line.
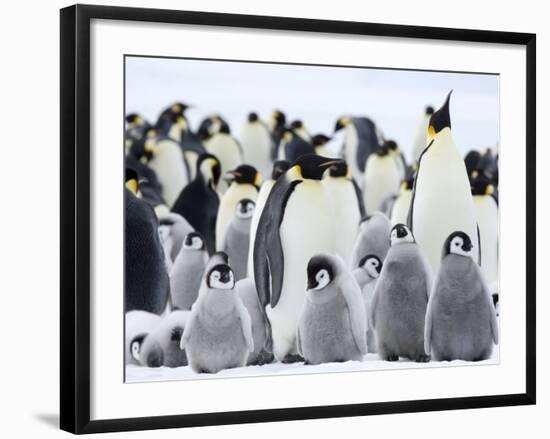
x,y
283,246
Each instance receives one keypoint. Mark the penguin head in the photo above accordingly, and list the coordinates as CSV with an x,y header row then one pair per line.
x,y
135,346
253,117
211,126
297,127
193,241
178,119
458,243
179,108
372,264
392,146
319,140
209,169
320,272
340,169
220,277
382,150
131,180
245,174
429,110
279,168
471,161
278,119
312,166
245,208
342,123
481,183
400,234
135,120
408,183
440,120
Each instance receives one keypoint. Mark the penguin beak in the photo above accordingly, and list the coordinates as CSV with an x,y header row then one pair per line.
x,y
311,284
225,277
331,163
467,247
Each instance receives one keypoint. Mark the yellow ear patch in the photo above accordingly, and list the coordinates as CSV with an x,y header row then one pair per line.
x,y
132,185
287,137
489,190
431,133
258,179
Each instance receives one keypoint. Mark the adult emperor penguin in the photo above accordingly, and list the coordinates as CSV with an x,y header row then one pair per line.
x,y
347,208
421,139
402,204
319,142
373,238
244,183
236,241
486,206
297,126
333,323
400,299
167,116
399,158
136,125
187,272
360,142
460,322
210,126
442,199
277,125
381,178
138,324
219,332
257,143
198,202
279,168
293,227
292,146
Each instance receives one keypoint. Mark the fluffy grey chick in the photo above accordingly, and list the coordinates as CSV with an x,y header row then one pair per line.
x,y
373,238
138,324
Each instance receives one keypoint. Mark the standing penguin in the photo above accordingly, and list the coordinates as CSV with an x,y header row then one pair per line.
x,y
399,158
138,324
279,168
187,271
236,240
146,280
260,325
198,202
219,332
167,117
402,204
286,239
346,208
297,126
442,199
381,178
333,323
421,139
319,142
366,275
210,126
460,322
400,300
292,146
256,142
373,238
277,125
161,347
245,183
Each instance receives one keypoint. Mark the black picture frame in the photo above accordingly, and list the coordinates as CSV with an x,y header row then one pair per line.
x,y
75,217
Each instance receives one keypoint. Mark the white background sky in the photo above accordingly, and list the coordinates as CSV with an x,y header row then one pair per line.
x,y
394,99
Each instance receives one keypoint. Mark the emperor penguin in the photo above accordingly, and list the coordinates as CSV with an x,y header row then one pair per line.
x,y
442,200
161,347
347,208
486,207
261,331
373,238
297,126
292,146
399,158
257,143
361,140
187,272
381,178
319,142
198,202
236,241
244,184
219,331
472,161
178,229
136,125
460,323
285,241
146,279
333,323
421,139
277,125
279,168
402,204
210,126
400,299
146,181
167,117
228,151
137,325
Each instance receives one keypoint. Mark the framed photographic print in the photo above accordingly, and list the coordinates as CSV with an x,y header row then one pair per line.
x,y
272,218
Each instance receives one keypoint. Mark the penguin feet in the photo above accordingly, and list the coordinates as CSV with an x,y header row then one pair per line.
x,y
392,357
264,358
422,358
292,358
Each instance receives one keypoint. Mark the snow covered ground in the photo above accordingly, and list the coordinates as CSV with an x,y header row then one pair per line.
x,y
371,362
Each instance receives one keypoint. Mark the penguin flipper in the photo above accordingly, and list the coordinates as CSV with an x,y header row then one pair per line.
x,y
359,194
358,319
428,329
246,324
299,341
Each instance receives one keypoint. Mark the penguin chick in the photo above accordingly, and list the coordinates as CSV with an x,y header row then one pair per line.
x,y
261,330
400,299
138,324
366,275
460,323
187,271
237,237
333,323
178,229
219,332
372,239
162,346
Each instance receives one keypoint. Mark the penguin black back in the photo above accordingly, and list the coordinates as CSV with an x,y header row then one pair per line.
x,y
279,168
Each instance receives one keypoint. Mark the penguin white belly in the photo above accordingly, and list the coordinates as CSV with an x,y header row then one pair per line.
x,y
442,202
351,143
169,165
256,144
381,179
487,219
305,231
191,157
265,190
345,215
228,204
400,209
227,151
421,140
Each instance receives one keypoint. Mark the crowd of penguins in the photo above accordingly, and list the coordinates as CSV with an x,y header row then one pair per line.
x,y
340,250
